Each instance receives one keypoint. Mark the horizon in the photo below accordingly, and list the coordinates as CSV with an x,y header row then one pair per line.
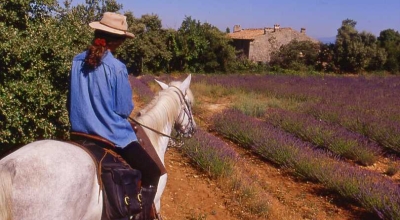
x,y
321,18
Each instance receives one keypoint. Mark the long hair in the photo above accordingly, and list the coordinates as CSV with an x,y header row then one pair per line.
x,y
99,46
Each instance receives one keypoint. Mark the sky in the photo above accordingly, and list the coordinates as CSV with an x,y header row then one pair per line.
x,y
321,18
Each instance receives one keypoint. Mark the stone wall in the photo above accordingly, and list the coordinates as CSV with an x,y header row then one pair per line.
x,y
262,46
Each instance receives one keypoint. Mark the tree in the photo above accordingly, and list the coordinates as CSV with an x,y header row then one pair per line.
x,y
375,56
38,40
92,10
326,56
346,44
389,40
148,51
17,14
355,51
201,48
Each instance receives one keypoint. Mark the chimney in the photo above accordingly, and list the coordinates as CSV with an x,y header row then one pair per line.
x,y
303,30
236,28
276,27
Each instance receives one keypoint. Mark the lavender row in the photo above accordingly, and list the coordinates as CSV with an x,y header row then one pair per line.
x,y
215,157
142,90
375,95
210,153
372,92
379,129
368,106
337,139
147,79
374,192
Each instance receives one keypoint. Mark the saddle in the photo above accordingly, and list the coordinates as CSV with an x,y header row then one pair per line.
x,y
120,184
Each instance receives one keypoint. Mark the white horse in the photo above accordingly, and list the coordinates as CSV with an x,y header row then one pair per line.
x,y
50,179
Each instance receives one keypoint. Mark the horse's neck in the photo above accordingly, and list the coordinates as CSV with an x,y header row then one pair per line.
x,y
160,115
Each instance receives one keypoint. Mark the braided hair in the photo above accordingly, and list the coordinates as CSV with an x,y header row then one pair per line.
x,y
99,46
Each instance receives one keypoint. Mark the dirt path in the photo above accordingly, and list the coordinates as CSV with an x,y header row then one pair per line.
x,y
189,193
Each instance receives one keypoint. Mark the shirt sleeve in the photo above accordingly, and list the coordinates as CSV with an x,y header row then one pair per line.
x,y
123,95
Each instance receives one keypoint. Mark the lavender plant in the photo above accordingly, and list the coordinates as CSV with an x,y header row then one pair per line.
x,y
142,90
374,192
368,106
337,139
210,153
379,129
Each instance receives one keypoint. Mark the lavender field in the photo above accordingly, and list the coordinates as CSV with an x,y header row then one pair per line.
x,y
327,129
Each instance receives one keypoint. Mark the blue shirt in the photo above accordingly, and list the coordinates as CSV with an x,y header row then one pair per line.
x,y
100,100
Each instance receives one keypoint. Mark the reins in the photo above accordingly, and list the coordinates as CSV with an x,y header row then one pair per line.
x,y
152,129
186,110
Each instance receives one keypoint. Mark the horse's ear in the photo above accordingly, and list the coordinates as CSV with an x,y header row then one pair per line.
x,y
185,84
162,85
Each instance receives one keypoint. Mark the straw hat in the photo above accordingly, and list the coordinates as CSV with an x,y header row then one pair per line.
x,y
112,23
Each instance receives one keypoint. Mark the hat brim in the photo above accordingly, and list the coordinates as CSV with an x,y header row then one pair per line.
x,y
98,26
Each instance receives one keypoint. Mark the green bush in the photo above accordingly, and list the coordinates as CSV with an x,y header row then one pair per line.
x,y
36,56
296,55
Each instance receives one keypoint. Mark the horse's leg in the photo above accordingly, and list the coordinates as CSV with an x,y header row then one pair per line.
x,y
160,189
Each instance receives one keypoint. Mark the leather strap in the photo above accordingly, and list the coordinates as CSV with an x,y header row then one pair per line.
x,y
146,144
78,135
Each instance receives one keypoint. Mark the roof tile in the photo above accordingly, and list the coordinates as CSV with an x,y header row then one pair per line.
x,y
247,34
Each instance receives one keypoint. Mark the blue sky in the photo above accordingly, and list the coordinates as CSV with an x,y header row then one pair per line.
x,y
321,18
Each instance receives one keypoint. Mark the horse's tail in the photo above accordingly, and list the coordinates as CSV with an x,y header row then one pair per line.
x,y
5,191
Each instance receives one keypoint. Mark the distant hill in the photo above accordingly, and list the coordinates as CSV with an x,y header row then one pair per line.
x,y
327,40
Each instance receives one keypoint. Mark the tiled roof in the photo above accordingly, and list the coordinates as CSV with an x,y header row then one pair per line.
x,y
252,33
247,34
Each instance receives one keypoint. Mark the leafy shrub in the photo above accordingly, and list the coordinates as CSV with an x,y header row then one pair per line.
x,y
36,56
296,55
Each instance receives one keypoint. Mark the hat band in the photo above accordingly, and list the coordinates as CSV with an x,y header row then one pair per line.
x,y
124,30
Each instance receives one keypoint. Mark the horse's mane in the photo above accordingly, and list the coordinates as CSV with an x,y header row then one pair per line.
x,y
163,108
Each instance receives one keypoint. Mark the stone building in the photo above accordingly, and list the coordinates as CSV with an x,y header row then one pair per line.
x,y
257,44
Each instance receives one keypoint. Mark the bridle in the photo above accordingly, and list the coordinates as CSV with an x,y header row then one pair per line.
x,y
186,110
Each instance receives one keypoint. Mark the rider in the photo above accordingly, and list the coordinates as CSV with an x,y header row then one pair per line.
x,y
100,97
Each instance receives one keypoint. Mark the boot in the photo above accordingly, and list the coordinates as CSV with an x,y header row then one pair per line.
x,y
139,158
148,212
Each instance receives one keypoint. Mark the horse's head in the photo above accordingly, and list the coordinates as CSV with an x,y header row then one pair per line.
x,y
184,123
